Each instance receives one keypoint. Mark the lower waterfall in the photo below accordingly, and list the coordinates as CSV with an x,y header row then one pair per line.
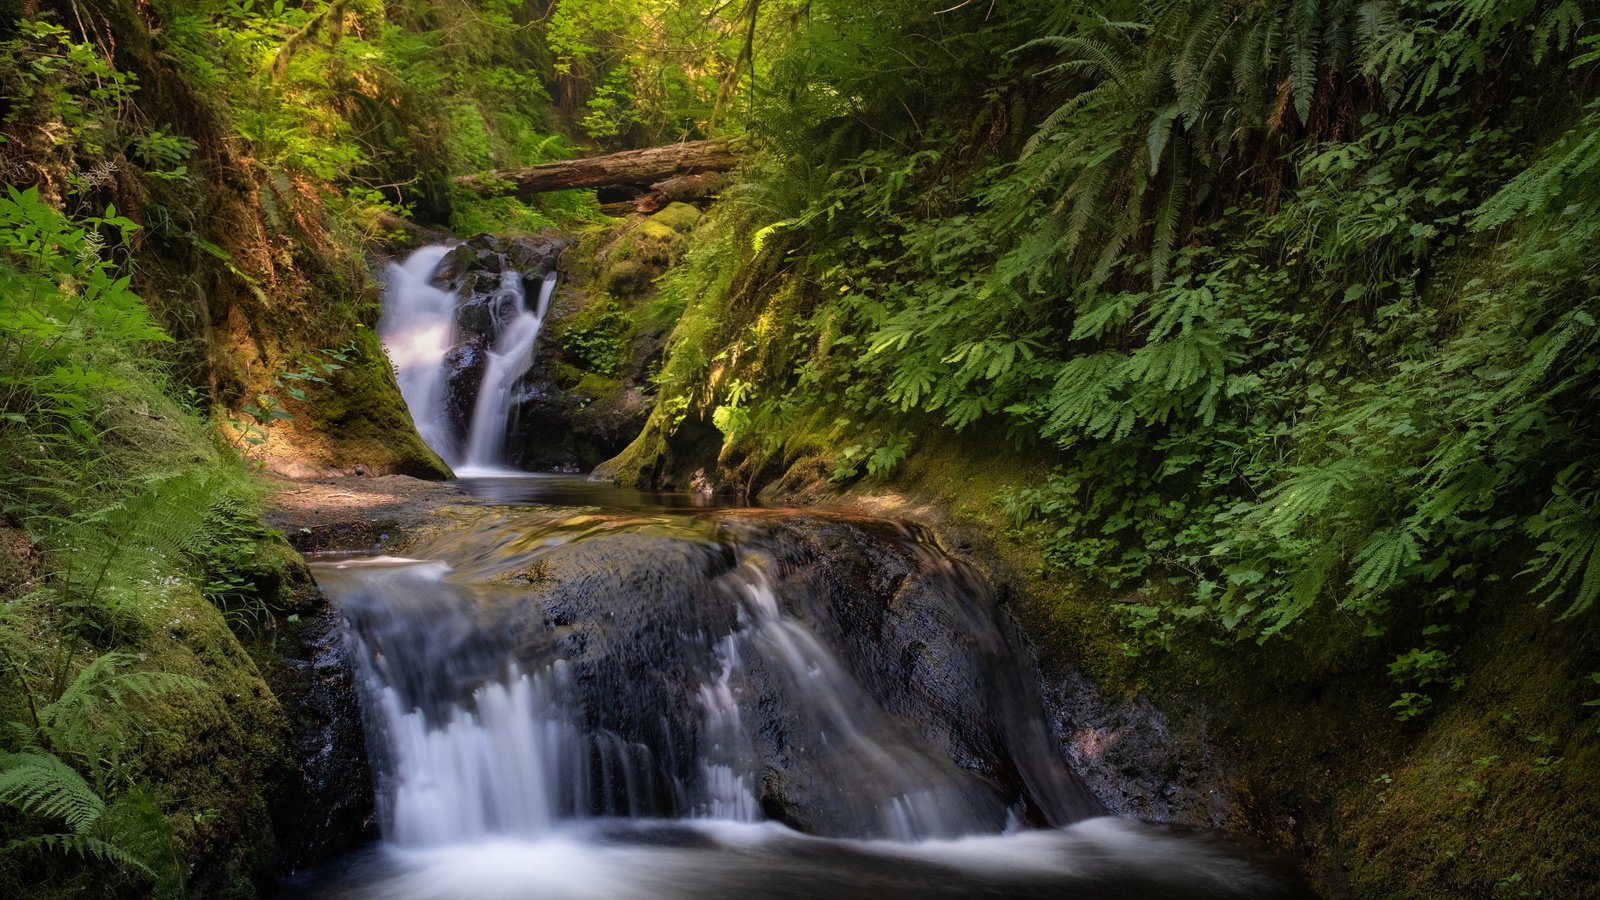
x,y
709,704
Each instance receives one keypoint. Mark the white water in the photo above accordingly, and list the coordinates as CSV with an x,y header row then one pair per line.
x,y
509,360
727,764
495,780
918,801
498,770
418,328
511,757
1098,858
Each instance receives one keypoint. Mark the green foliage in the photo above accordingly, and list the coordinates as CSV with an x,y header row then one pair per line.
x,y
119,484
69,323
598,340
84,730
75,92
386,102
657,71
1294,293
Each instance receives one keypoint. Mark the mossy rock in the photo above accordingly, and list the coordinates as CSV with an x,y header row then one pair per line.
x,y
626,278
357,422
594,386
211,755
679,217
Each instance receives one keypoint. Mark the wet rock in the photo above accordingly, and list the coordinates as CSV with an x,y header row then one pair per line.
x,y
1136,761
918,711
926,636
464,365
327,807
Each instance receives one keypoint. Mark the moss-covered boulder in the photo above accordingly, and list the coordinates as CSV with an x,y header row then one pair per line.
x,y
641,250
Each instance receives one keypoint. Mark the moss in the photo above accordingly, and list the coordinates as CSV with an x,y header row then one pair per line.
x,y
626,278
594,387
212,757
360,418
679,217
625,258
1499,784
650,243
658,315
578,262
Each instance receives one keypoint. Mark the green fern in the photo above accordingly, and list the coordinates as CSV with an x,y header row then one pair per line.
x,y
84,846
1571,169
1569,552
1383,557
41,784
80,731
83,719
166,523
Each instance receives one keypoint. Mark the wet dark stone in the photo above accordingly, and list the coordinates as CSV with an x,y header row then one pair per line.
x,y
1134,759
465,365
327,808
641,615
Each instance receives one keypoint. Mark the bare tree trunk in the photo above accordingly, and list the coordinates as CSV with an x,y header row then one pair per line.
x,y
746,59
636,169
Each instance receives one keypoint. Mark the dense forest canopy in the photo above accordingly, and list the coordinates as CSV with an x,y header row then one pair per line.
x,y
1292,304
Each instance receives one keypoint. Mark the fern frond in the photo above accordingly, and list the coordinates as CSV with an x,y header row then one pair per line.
x,y
1193,71
1168,212
71,721
1304,52
1054,121
1569,554
41,784
167,521
81,845
1576,158
1383,556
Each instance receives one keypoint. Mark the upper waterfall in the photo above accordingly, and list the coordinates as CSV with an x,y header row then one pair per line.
x,y
508,361
458,351
418,328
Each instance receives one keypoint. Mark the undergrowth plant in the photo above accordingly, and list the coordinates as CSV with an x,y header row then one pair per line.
x,y
120,488
65,775
1295,295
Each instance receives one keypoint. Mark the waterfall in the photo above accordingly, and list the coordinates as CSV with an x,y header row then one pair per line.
x,y
508,361
909,794
483,728
614,707
419,330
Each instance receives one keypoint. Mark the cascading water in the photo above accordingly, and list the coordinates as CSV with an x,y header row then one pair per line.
x,y
630,705
508,361
419,329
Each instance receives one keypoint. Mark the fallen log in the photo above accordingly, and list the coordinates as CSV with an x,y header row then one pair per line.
x,y
632,170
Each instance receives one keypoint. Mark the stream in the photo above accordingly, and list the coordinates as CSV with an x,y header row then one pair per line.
x,y
581,691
